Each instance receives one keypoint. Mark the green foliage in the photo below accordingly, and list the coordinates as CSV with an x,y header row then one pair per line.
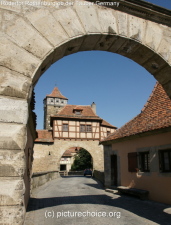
x,y
83,160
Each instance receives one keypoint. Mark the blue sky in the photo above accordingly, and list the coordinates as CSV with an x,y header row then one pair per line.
x,y
163,3
118,86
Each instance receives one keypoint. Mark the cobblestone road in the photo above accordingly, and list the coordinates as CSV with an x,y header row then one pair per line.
x,y
86,198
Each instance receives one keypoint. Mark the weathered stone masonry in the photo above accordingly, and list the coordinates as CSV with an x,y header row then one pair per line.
x,y
44,161
34,37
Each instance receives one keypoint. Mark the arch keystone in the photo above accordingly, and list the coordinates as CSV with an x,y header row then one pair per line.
x,y
108,20
88,17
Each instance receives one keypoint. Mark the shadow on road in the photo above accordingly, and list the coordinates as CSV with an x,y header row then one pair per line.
x,y
99,185
71,176
147,209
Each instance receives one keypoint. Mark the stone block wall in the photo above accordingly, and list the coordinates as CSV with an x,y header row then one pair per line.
x,y
99,175
39,179
15,190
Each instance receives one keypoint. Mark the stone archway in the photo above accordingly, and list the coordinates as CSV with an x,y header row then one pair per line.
x,y
69,157
93,147
45,162
34,37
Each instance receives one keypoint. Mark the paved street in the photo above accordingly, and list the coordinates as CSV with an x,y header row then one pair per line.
x,y
83,201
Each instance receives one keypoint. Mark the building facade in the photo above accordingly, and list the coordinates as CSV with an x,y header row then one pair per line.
x,y
138,155
69,126
67,159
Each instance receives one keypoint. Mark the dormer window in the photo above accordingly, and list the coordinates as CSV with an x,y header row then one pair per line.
x,y
77,111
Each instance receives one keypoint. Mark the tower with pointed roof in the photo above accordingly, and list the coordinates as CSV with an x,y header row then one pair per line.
x,y
53,103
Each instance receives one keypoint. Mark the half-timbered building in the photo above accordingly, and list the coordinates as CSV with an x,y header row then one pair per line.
x,y
67,126
80,122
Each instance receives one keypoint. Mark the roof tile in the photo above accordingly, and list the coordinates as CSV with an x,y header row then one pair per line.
x,y
156,114
44,136
87,113
69,112
105,123
57,94
69,151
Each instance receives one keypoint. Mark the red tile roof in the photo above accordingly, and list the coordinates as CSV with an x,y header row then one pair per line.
x,y
57,94
44,136
86,113
69,151
155,115
68,112
106,124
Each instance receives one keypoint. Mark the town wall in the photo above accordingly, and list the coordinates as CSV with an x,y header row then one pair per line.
x,y
47,156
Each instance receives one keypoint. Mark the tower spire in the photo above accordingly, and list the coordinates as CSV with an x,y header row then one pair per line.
x,y
53,103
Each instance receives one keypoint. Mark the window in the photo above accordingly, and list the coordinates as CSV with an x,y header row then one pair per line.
x,y
165,160
88,128
108,132
65,127
132,162
144,161
85,128
77,112
82,128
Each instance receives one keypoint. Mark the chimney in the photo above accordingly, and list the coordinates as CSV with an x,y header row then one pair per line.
x,y
93,106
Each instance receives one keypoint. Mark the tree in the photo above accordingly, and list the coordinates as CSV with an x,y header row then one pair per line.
x,y
82,160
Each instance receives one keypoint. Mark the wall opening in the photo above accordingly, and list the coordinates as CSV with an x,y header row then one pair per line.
x,y
123,85
114,171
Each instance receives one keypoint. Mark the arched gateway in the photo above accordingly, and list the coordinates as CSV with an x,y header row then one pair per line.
x,y
33,36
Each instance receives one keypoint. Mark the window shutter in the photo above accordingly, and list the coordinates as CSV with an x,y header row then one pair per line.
x,y
132,162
